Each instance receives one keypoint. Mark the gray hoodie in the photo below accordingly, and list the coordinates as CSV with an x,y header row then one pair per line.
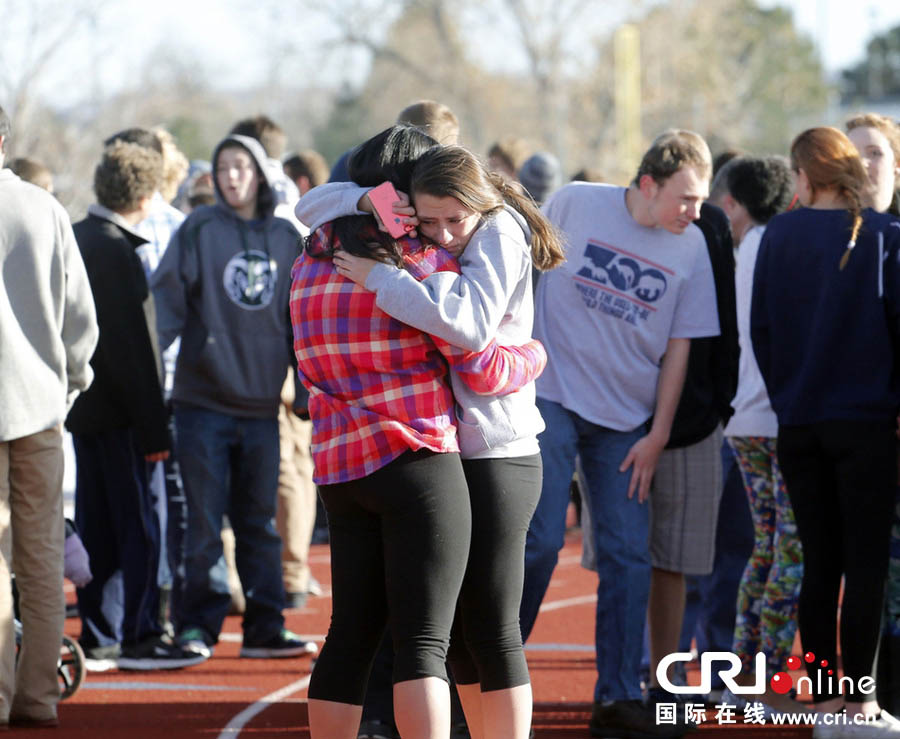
x,y
223,285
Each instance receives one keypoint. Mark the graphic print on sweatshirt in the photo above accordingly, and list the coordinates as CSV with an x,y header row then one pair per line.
x,y
619,283
250,279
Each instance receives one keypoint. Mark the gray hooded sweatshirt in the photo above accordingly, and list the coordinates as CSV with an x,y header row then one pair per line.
x,y
223,285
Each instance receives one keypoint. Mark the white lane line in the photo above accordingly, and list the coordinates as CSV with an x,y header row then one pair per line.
x,y
555,605
238,722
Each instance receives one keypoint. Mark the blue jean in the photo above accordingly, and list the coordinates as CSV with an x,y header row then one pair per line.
x,y
115,517
229,466
620,530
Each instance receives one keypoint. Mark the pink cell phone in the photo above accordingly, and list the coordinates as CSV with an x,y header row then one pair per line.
x,y
383,198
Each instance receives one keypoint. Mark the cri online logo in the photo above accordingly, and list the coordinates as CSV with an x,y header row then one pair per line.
x,y
781,682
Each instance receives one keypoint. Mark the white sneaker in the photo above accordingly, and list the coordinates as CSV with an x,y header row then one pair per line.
x,y
885,725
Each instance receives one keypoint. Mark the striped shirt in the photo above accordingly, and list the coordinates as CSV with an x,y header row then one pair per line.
x,y
378,387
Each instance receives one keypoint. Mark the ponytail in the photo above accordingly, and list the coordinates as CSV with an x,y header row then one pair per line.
x,y
831,162
546,243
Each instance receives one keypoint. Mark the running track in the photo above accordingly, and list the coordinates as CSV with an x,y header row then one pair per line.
x,y
227,697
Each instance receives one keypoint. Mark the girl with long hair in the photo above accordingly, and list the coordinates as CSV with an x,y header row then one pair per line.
x,y
824,322
385,451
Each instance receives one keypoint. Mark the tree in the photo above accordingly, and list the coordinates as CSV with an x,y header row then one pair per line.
x,y
878,75
738,73
34,36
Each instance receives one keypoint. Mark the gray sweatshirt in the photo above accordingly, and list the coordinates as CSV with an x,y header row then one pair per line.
x,y
48,327
224,285
491,299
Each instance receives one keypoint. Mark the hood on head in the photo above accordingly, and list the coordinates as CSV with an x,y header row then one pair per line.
x,y
265,198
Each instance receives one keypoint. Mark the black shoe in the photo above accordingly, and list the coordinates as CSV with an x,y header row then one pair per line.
x,y
376,729
284,644
661,695
294,600
157,653
633,720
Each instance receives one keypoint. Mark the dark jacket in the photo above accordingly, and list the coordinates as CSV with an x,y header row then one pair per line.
x,y
712,373
224,285
126,392
826,338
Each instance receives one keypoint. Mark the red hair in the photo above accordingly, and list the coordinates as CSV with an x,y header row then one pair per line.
x,y
831,162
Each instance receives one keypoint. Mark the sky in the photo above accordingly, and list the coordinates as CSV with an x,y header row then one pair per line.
x,y
221,36
840,28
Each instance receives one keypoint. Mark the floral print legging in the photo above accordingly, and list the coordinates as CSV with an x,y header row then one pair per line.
x,y
770,587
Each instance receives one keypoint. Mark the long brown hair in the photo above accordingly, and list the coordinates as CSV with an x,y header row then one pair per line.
x,y
831,162
454,172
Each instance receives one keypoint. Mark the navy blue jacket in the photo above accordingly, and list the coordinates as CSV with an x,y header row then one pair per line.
x,y
826,339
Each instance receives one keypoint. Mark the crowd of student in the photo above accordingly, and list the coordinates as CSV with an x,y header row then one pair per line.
x,y
219,364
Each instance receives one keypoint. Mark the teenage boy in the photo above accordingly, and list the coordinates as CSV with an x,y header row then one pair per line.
x,y
617,319
119,425
223,285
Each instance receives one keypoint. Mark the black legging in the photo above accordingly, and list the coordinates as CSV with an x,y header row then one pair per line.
x,y
486,644
841,479
399,544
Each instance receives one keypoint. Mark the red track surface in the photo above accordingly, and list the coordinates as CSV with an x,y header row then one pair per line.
x,y
266,699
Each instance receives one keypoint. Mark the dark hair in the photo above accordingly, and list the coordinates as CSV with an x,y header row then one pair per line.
x,y
307,163
389,155
763,185
831,161
266,131
455,172
722,158
32,171
5,123
140,136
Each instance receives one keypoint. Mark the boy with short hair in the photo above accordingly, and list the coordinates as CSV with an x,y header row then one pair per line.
x,y
119,425
617,320
223,285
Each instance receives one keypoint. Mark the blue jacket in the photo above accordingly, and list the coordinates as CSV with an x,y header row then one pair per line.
x,y
825,338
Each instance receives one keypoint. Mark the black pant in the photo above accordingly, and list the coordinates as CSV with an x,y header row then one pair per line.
x,y
486,642
399,544
840,477
120,531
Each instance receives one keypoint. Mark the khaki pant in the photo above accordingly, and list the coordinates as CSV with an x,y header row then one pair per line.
x,y
32,535
296,512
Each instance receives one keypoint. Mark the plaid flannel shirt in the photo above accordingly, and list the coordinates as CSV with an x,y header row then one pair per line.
x,y
377,386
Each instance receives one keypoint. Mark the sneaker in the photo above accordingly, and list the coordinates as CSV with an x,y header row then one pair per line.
x,y
633,719
376,729
157,653
884,726
195,641
284,644
101,659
